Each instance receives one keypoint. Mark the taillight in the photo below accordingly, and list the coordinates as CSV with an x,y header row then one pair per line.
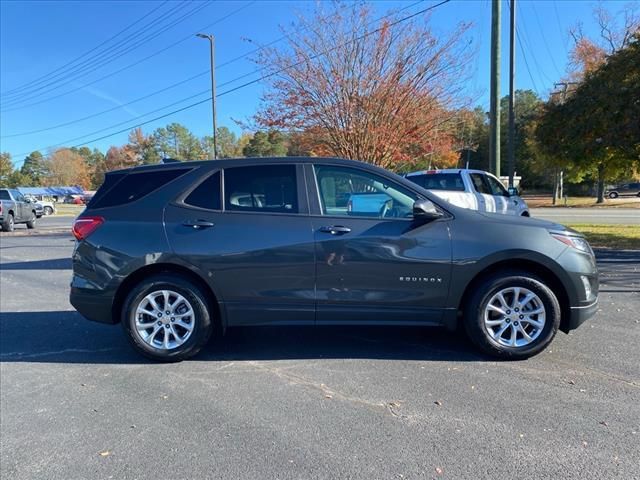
x,y
84,226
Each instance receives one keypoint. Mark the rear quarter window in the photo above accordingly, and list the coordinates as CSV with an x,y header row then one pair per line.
x,y
134,186
207,194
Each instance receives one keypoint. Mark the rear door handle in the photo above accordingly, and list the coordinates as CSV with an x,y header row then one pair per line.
x,y
198,224
335,230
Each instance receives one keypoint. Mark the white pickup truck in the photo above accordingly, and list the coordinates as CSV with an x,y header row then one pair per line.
x,y
473,189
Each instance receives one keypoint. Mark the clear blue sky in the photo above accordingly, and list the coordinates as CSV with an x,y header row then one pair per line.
x,y
37,38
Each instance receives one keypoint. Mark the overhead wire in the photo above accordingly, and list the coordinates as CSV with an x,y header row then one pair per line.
x,y
263,77
132,64
164,89
84,70
70,62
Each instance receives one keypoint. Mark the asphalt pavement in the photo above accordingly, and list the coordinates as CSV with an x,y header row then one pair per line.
x,y
77,402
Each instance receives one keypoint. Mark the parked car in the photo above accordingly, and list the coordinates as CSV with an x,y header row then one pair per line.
x,y
14,208
473,189
47,203
624,190
38,208
179,251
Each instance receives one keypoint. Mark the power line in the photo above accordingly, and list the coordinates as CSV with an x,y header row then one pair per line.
x,y
84,64
525,38
544,39
48,75
205,72
126,67
526,62
85,69
271,74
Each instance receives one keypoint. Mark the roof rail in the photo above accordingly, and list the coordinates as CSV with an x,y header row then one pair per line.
x,y
170,160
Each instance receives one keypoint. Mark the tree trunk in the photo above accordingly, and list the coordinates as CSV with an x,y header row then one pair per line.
x,y
600,183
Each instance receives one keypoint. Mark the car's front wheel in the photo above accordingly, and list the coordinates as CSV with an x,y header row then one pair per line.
x,y
48,211
613,195
166,318
512,315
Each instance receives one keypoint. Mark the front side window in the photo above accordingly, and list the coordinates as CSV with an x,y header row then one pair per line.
x,y
496,186
480,183
352,192
262,188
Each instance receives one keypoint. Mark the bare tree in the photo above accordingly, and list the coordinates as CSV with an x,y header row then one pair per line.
x,y
384,92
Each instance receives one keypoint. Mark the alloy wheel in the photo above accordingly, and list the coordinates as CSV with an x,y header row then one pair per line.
x,y
514,317
164,319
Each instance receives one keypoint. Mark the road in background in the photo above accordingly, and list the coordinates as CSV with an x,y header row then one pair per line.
x,y
597,215
77,402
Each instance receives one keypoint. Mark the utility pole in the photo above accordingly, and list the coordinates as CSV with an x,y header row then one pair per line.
x,y
494,113
512,73
213,89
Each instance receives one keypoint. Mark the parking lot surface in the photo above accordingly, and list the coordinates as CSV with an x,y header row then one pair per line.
x,y
76,402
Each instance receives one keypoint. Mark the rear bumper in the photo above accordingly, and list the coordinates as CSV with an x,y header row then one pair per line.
x,y
92,303
581,314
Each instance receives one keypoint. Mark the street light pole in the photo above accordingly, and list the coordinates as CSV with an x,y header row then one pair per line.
x,y
213,89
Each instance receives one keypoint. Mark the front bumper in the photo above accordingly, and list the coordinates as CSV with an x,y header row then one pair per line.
x,y
581,314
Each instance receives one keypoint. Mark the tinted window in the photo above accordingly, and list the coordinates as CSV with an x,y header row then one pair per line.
x,y
4,195
135,186
110,179
480,183
496,186
207,194
353,192
268,188
439,181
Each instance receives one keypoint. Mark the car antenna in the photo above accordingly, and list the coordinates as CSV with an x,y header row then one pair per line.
x,y
170,160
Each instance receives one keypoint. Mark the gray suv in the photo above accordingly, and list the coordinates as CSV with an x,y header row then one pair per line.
x,y
176,252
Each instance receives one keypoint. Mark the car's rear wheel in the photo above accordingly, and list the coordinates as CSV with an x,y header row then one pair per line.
x,y
8,225
512,315
613,195
166,318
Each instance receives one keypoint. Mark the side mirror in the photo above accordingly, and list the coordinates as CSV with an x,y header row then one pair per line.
x,y
425,210
513,192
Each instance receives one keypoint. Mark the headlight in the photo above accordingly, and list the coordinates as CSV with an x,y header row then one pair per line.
x,y
578,243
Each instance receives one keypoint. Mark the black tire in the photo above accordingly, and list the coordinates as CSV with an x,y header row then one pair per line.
x,y
8,225
613,195
525,214
482,294
48,211
203,322
31,224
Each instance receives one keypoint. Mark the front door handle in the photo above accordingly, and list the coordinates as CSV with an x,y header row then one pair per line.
x,y
198,224
335,230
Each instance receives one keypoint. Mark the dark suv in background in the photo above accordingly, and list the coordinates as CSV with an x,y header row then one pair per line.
x,y
624,190
178,251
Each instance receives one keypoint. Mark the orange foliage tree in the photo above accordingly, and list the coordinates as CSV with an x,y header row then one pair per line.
x,y
65,167
382,92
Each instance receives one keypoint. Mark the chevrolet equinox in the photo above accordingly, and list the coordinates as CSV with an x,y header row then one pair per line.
x,y
177,251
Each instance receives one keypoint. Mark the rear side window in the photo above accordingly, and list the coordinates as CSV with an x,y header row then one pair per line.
x,y
268,188
439,181
135,186
207,194
4,195
480,184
